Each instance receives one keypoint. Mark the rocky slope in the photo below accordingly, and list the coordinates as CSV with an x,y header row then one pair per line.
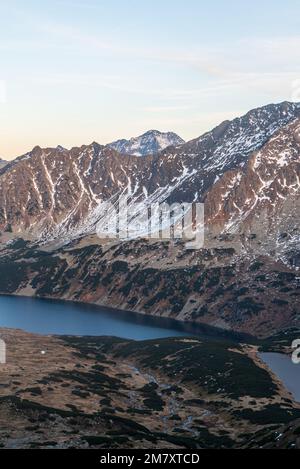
x,y
246,277
257,295
56,193
261,199
150,143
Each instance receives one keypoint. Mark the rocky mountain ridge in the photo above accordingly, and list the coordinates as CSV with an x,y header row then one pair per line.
x,y
56,193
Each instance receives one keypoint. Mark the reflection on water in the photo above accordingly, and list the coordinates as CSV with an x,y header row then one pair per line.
x,y
286,370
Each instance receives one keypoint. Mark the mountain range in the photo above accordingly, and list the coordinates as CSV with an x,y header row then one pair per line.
x,y
245,171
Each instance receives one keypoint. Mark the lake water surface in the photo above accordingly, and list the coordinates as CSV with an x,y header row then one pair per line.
x,y
68,318
286,370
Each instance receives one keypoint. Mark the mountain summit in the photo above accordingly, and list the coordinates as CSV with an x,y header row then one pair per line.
x,y
149,143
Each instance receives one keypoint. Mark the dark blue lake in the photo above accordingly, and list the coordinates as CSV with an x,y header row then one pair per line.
x,y
67,318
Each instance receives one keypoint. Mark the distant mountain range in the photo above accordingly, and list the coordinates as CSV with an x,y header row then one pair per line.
x,y
246,171
150,143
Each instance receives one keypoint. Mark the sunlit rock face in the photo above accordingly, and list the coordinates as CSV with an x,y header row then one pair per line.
x,y
54,192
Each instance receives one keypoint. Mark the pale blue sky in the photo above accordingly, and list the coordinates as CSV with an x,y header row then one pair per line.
x,y
77,71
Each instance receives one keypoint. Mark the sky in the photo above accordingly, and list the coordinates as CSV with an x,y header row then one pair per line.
x,y
77,71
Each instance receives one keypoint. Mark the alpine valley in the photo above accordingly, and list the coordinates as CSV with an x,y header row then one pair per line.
x,y
245,171
210,390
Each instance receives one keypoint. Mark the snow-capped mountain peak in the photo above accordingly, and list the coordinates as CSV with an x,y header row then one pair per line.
x,y
149,143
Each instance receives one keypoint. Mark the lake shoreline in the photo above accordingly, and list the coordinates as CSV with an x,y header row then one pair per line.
x,y
194,328
257,358
280,366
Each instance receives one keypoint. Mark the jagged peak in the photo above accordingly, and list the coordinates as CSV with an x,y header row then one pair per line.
x,y
151,142
61,148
